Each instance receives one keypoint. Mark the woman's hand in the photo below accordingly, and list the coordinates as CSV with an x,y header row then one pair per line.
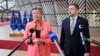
x,y
38,41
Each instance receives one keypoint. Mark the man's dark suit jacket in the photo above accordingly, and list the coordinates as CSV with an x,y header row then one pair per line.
x,y
73,42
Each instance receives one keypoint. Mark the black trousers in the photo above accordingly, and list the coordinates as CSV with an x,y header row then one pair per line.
x,y
71,53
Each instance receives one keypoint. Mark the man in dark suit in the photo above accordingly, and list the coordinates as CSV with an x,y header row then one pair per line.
x,y
70,40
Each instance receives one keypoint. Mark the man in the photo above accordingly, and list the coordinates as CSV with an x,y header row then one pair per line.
x,y
70,40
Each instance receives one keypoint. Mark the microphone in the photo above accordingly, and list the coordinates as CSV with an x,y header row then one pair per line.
x,y
81,27
32,30
53,37
29,41
88,39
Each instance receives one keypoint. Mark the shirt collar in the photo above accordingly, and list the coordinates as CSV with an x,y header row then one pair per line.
x,y
74,17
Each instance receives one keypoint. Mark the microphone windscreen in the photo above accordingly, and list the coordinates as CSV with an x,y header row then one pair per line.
x,y
52,35
81,27
31,30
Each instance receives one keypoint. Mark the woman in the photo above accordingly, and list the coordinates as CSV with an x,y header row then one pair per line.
x,y
40,46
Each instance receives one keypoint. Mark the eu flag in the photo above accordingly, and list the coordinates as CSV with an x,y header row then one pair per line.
x,y
13,22
30,17
19,22
24,20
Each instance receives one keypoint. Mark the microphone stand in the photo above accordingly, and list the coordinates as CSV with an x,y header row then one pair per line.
x,y
83,38
92,41
53,37
58,47
17,47
14,49
83,41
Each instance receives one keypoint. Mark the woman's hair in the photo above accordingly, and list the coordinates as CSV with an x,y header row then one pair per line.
x,y
38,8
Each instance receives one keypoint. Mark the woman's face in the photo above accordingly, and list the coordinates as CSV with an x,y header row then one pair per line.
x,y
37,15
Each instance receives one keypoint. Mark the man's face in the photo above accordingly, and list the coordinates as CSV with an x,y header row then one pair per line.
x,y
72,10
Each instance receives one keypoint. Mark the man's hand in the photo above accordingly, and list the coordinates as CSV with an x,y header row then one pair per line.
x,y
86,54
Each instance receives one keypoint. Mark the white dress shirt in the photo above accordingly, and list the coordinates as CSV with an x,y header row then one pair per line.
x,y
72,23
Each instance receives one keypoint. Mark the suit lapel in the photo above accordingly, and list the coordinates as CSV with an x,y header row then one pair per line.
x,y
68,25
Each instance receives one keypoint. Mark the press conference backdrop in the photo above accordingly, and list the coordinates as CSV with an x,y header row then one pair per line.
x,y
57,10
54,11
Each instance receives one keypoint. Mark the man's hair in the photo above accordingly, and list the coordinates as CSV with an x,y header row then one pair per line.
x,y
76,5
38,8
